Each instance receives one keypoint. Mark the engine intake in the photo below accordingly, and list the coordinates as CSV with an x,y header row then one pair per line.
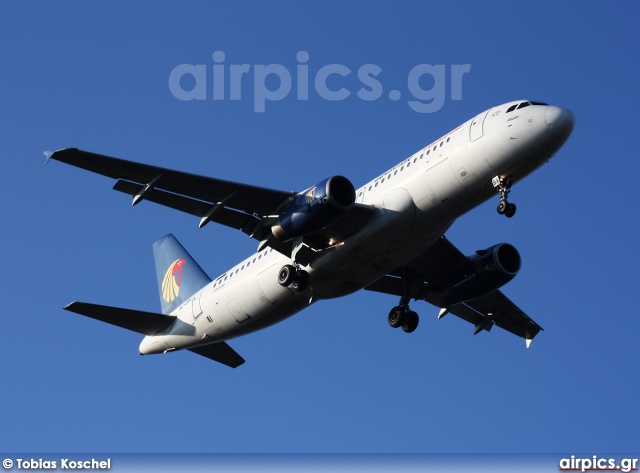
x,y
315,208
482,274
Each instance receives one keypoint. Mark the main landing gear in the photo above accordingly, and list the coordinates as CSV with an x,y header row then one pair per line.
x,y
401,315
503,185
295,278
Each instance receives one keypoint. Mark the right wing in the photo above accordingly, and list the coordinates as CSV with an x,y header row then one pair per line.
x,y
430,268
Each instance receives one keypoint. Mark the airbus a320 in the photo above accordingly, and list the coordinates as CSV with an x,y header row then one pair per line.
x,y
332,240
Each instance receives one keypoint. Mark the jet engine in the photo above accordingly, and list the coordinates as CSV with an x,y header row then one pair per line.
x,y
482,274
315,208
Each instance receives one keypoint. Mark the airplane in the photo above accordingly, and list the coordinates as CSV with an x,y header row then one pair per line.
x,y
332,240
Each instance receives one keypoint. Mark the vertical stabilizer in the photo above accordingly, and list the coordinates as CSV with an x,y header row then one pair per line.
x,y
179,276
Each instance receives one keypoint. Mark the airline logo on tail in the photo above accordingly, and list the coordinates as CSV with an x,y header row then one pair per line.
x,y
171,281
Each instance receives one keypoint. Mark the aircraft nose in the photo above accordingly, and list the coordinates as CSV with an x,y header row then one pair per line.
x,y
560,121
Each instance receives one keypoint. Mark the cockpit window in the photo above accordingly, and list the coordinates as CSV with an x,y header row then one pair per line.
x,y
512,108
523,104
539,103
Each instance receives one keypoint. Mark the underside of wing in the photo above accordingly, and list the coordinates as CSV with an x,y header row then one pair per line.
x,y
146,323
442,272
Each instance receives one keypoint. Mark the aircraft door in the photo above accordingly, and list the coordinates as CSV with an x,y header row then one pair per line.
x,y
477,125
196,307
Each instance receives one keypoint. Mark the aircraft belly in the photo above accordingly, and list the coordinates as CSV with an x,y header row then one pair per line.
x,y
364,258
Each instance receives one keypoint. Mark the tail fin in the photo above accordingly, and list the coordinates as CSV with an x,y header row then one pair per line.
x,y
179,276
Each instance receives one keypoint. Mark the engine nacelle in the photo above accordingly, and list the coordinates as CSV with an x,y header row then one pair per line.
x,y
482,274
315,208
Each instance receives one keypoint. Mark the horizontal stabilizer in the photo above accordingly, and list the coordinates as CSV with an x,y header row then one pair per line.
x,y
220,352
146,323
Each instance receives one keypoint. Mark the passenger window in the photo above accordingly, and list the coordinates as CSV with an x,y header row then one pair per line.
x,y
448,139
428,151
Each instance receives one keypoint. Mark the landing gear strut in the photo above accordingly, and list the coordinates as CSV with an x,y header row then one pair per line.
x,y
401,315
295,278
503,185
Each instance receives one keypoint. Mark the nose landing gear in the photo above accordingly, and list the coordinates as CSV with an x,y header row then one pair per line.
x,y
503,185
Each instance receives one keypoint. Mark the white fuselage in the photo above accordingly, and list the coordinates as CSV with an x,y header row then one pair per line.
x,y
415,202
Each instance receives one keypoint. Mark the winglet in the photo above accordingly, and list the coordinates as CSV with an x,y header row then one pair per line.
x,y
47,156
528,342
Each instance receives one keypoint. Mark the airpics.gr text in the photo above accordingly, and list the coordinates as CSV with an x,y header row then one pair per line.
x,y
332,82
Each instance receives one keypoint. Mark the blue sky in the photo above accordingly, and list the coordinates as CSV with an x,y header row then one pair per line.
x,y
334,378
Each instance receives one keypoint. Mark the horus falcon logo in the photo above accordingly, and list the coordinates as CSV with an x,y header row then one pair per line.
x,y
310,195
171,281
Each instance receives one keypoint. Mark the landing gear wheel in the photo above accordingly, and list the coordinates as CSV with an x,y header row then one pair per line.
x,y
397,316
286,275
300,281
511,210
411,322
503,206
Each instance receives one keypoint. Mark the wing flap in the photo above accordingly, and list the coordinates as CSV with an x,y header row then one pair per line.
x,y
220,352
506,314
224,216
146,323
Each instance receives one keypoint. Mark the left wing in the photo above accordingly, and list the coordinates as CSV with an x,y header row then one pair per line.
x,y
483,312
240,206
251,209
